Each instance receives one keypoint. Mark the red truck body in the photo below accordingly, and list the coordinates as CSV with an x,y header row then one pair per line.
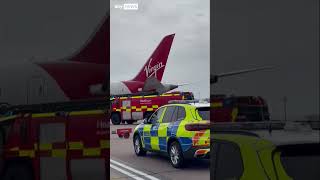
x,y
238,108
70,145
131,109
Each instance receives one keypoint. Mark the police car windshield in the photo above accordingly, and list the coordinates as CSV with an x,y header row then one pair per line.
x,y
204,112
301,161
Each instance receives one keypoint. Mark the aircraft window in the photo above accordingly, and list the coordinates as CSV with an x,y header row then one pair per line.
x,y
168,114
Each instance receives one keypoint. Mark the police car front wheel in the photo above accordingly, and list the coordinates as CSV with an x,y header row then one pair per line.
x,y
176,156
138,149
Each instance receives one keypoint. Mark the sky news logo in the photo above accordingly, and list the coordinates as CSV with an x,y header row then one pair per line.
x,y
132,6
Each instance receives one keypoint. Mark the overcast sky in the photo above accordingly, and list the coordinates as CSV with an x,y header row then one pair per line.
x,y
281,33
135,34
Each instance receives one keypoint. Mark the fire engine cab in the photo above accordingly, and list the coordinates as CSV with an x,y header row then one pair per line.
x,y
130,109
71,144
238,108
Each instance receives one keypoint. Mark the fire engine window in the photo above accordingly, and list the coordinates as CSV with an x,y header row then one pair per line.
x,y
52,132
23,132
53,168
84,169
181,113
228,162
126,103
168,115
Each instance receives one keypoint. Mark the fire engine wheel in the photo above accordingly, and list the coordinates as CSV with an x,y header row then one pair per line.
x,y
4,108
115,119
130,122
18,171
176,155
138,149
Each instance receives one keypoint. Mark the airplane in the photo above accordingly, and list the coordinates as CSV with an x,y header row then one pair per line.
x,y
148,80
82,76
63,80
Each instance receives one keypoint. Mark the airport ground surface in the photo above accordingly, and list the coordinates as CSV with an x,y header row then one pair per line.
x,y
124,164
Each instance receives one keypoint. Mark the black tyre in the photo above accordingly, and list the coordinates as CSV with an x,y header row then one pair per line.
x,y
4,108
130,122
18,171
176,155
137,145
115,119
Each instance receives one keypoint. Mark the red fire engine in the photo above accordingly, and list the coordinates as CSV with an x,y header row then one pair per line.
x,y
70,144
238,108
131,109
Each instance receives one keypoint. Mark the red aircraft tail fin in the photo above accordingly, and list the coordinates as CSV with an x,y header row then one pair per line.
x,y
156,64
96,49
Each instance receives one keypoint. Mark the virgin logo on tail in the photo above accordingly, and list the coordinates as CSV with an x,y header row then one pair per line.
x,y
150,71
156,63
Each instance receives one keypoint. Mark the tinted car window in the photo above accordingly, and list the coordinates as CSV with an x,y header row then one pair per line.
x,y
174,115
228,162
213,156
181,113
301,161
168,114
204,113
156,115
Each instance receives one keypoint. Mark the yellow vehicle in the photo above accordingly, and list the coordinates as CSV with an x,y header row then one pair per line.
x,y
279,154
179,130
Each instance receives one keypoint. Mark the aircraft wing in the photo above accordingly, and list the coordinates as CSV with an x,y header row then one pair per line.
x,y
214,78
153,84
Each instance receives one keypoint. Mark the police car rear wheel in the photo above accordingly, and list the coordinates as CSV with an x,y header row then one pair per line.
x,y
176,156
138,149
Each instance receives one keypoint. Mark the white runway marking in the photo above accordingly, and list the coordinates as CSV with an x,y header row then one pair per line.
x,y
125,172
125,169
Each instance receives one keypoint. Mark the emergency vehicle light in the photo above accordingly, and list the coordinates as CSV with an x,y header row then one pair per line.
x,y
182,101
197,126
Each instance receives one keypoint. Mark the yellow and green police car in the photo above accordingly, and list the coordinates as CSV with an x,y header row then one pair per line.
x,y
179,130
271,155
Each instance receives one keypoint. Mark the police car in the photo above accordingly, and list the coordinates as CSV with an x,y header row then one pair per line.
x,y
279,152
179,129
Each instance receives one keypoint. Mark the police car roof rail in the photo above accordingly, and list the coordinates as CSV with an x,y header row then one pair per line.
x,y
263,125
266,125
238,132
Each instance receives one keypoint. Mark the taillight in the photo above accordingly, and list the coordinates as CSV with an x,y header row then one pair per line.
x,y
197,126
